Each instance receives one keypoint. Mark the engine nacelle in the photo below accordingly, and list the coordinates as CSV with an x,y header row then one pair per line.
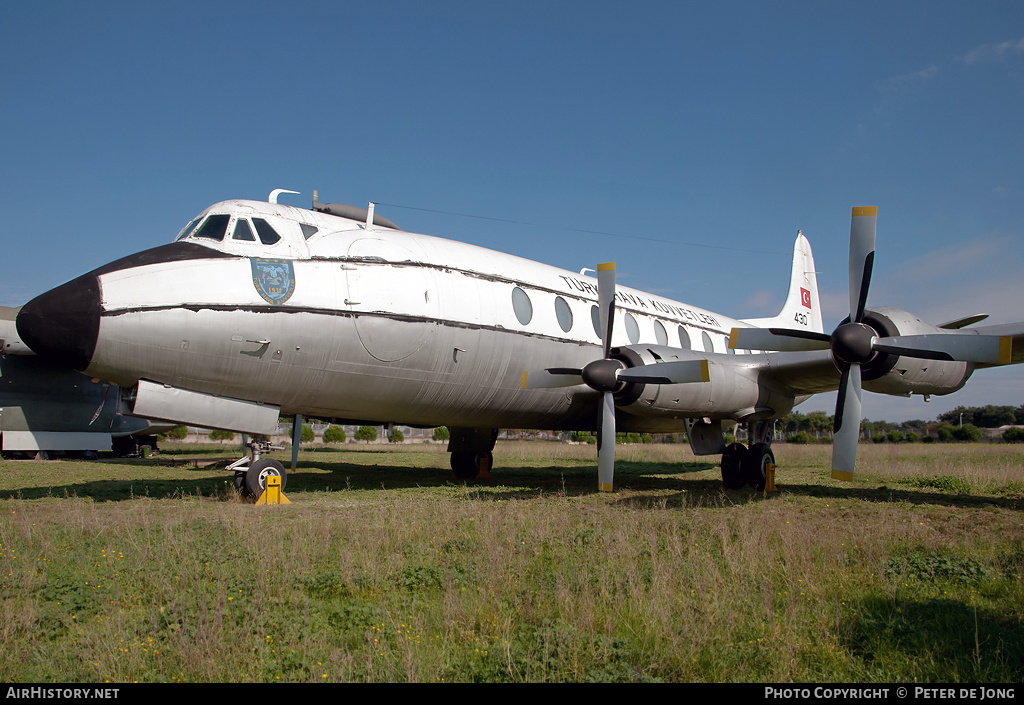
x,y
900,375
737,391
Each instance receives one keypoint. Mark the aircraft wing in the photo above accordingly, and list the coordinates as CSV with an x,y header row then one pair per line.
x,y
801,372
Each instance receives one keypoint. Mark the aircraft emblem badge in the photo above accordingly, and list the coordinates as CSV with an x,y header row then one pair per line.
x,y
274,279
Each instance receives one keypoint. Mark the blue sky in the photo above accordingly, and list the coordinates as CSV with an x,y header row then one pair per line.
x,y
714,130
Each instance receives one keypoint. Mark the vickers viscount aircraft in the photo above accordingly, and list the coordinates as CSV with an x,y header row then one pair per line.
x,y
258,308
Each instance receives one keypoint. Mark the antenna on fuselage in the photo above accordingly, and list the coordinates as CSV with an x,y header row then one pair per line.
x,y
272,198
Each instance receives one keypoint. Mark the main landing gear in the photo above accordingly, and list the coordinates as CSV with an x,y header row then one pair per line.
x,y
252,471
749,466
472,451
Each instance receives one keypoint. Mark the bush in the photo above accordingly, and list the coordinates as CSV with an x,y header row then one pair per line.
x,y
441,433
396,436
895,436
220,435
800,437
306,434
878,438
967,433
176,434
366,433
1013,435
334,434
912,437
944,433
582,437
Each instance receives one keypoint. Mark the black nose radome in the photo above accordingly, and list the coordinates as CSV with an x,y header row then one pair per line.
x,y
62,325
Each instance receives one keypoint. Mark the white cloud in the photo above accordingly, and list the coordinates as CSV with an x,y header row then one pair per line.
x,y
762,301
994,52
908,80
979,275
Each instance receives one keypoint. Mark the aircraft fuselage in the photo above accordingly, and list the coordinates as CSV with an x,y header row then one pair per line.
x,y
371,323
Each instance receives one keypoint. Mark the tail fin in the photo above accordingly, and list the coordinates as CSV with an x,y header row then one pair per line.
x,y
802,309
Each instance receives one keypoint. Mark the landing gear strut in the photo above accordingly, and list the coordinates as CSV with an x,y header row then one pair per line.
x,y
749,466
251,471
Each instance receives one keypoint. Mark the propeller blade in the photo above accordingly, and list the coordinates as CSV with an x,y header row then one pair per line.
x,y
606,444
862,256
671,372
991,349
847,424
777,339
606,303
551,378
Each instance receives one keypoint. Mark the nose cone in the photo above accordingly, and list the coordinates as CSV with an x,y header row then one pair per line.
x,y
62,325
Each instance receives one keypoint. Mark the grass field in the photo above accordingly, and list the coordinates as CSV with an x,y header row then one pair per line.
x,y
384,568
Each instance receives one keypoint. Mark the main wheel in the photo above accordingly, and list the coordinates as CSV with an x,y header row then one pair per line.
x,y
733,474
466,463
755,466
257,474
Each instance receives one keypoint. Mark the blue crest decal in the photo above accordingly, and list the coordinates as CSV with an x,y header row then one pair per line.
x,y
274,279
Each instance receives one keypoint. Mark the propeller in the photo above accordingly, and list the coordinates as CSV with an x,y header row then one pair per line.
x,y
608,374
854,343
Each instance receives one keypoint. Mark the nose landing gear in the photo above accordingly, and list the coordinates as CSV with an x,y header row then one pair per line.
x,y
252,471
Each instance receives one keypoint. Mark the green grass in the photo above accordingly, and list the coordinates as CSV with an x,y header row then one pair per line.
x,y
385,568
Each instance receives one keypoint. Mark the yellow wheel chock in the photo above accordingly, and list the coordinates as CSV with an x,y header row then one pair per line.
x,y
769,478
273,494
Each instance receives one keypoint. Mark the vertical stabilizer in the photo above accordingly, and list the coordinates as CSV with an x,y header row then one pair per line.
x,y
802,310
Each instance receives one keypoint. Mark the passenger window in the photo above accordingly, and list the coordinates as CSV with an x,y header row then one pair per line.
x,y
595,318
308,231
660,333
563,313
243,231
632,329
214,227
522,306
684,338
268,236
708,345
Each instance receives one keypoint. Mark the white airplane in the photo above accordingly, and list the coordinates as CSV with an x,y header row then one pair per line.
x,y
258,308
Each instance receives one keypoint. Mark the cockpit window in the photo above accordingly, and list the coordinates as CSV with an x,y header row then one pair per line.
x,y
243,231
188,228
214,227
308,231
268,236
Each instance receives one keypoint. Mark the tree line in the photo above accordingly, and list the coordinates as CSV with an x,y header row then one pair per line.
x,y
964,423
